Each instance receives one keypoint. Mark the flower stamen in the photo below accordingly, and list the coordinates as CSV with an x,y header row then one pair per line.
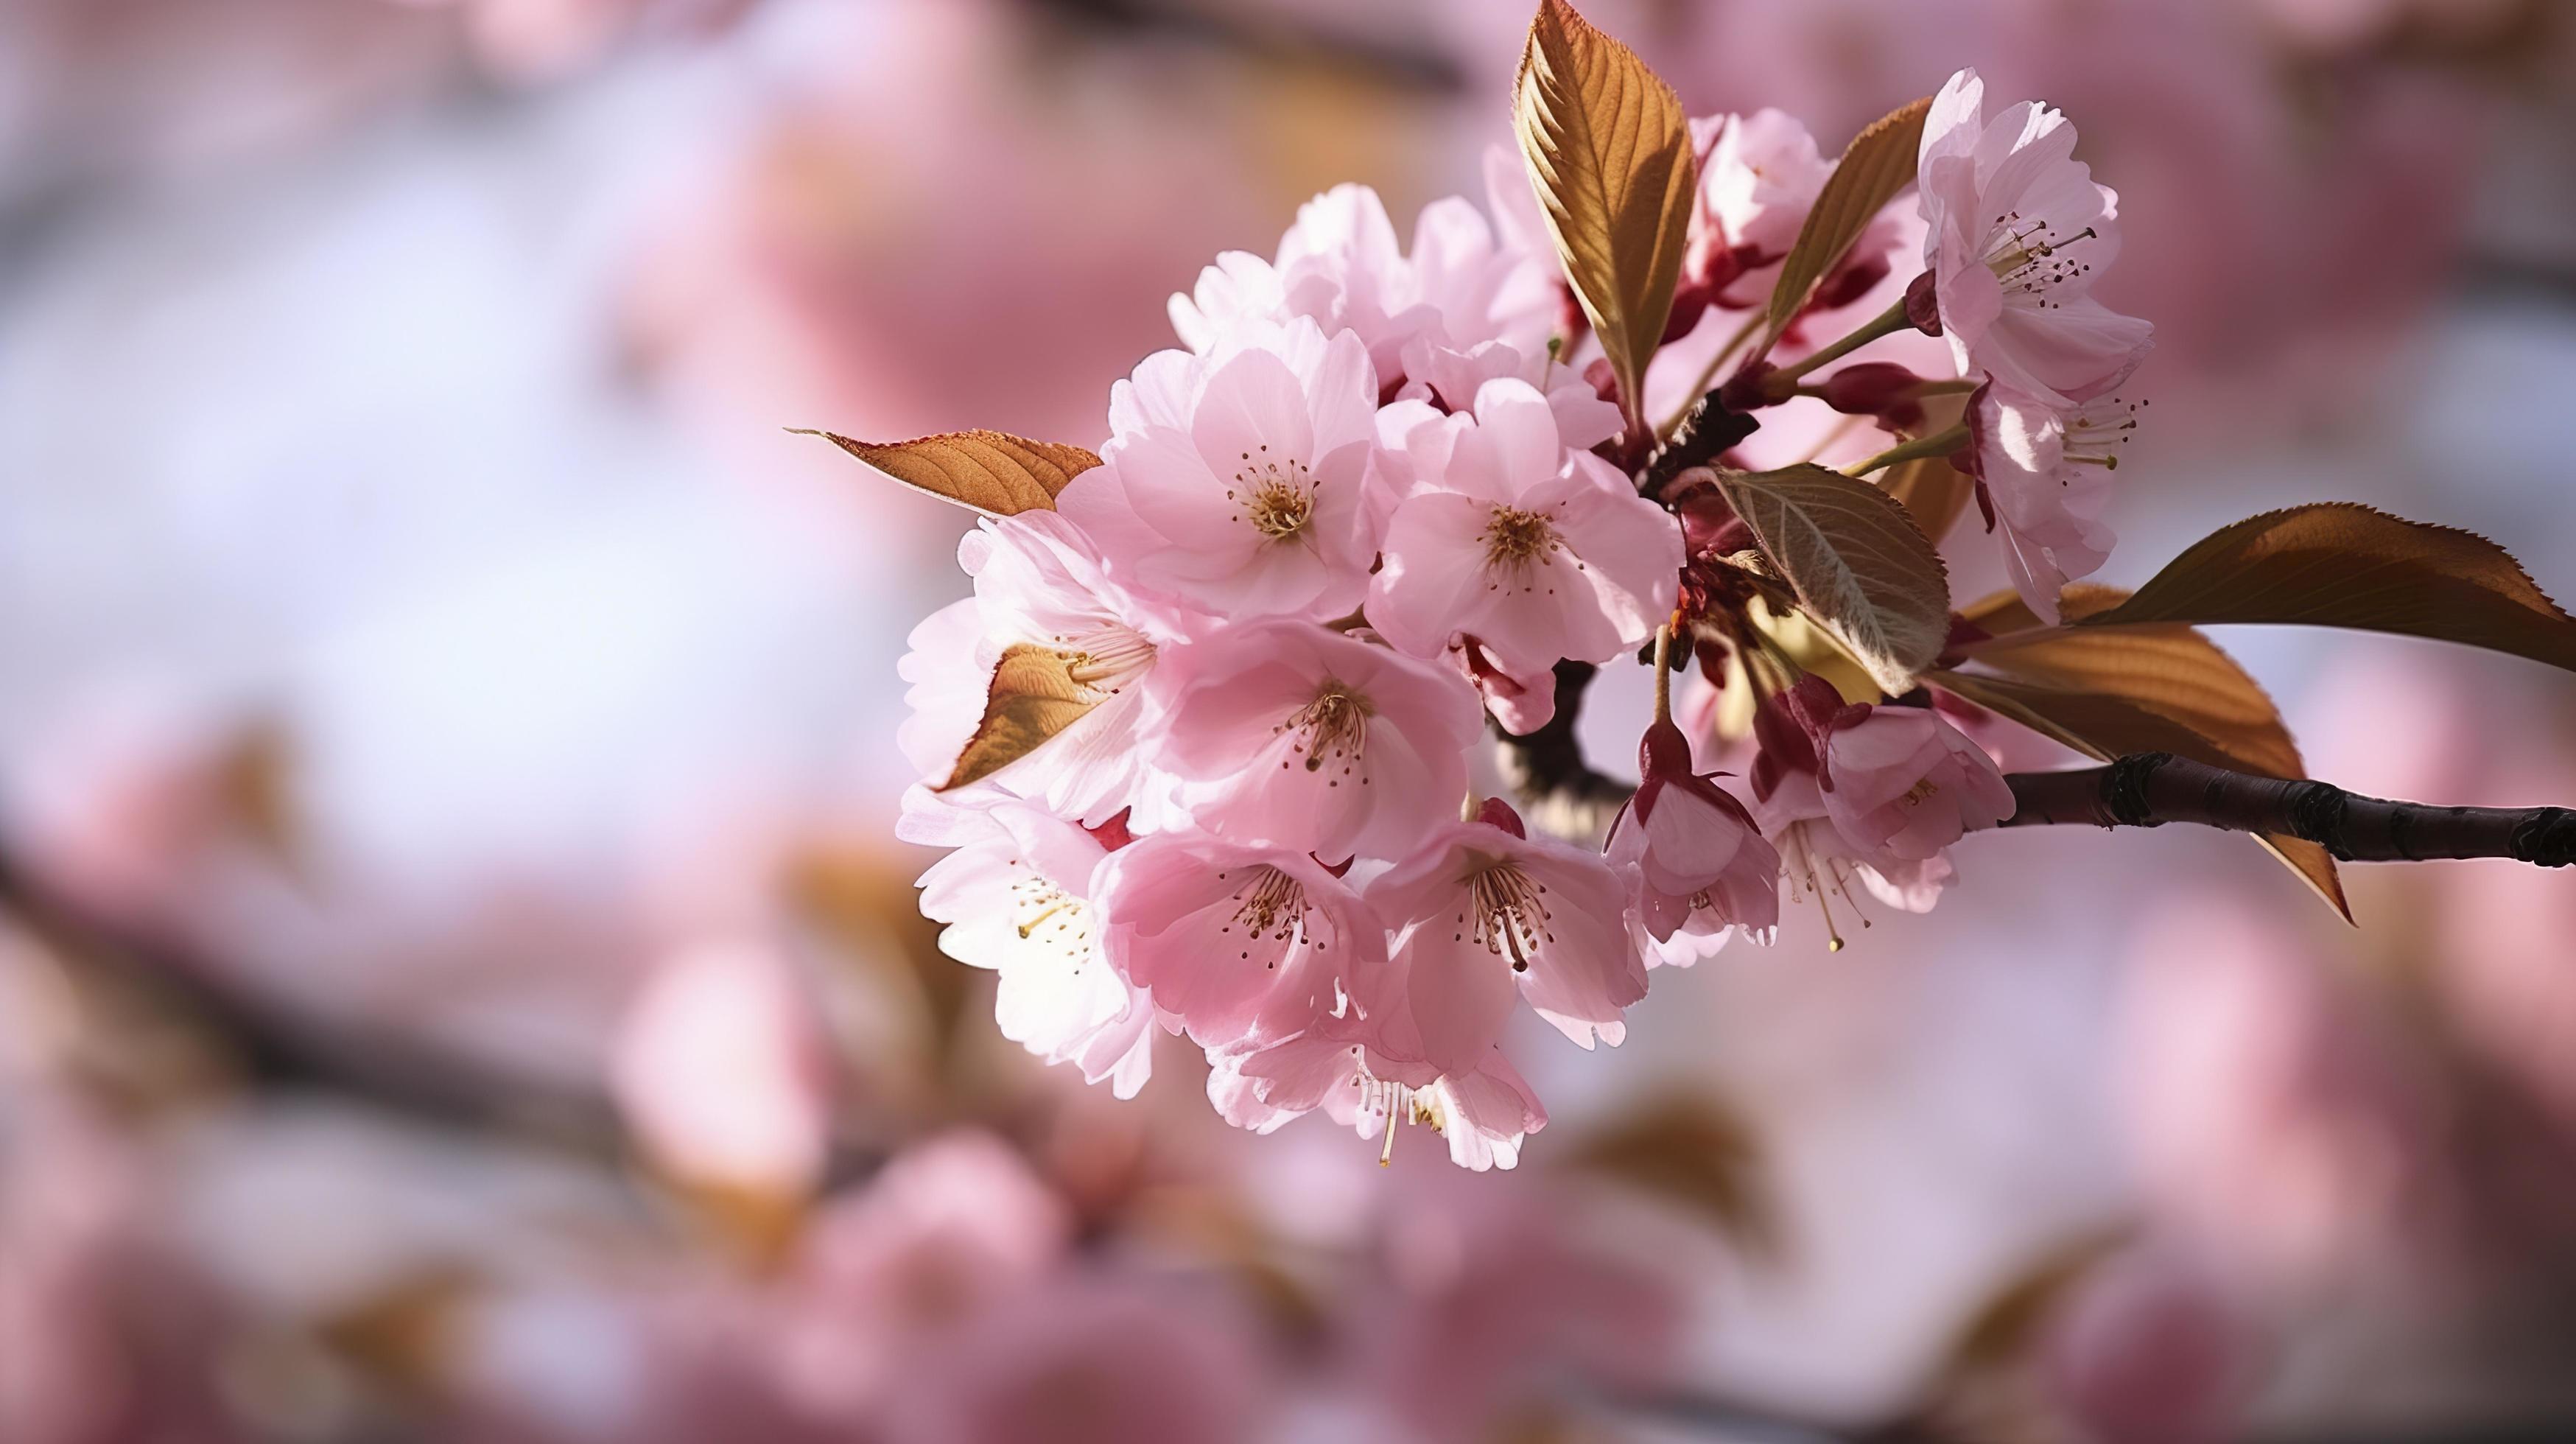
x,y
1510,914
1277,497
1515,538
1337,720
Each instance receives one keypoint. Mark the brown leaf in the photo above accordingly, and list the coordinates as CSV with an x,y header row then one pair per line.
x,y
2142,689
2004,1329
406,1335
1932,491
1858,563
1609,152
1691,1150
995,473
1878,163
255,787
1035,695
2004,612
2337,564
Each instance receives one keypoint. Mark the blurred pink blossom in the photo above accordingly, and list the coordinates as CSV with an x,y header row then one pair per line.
x,y
721,1067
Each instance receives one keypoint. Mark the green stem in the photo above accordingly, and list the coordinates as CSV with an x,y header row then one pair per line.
x,y
1708,374
1939,443
1885,323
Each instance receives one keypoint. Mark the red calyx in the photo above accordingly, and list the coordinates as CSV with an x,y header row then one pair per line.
x,y
1498,813
1922,307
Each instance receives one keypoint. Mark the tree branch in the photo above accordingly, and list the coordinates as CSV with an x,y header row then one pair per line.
x,y
2149,789
285,1049
1559,791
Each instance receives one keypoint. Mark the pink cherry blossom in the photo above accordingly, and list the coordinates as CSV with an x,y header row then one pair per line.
x,y
1306,739
1090,1357
1039,582
1340,266
1362,1065
1521,702
1498,1304
952,1227
2151,1349
1539,551
1449,379
2044,467
722,1067
1243,945
1016,900
1696,865
1485,915
1819,860
1759,175
1873,793
1903,780
1234,479
1484,1114
2017,234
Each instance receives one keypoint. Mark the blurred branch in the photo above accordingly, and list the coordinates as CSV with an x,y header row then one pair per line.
x,y
285,1048
2149,789
1734,1419
1271,38
1562,792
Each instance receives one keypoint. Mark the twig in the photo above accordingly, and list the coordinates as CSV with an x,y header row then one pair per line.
x,y
2149,789
1561,792
287,1049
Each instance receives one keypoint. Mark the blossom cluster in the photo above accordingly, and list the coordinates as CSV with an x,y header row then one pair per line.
x,y
1366,510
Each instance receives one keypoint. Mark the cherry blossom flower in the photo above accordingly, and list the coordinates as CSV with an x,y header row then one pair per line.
x,y
1449,379
1234,479
1243,945
1902,779
1540,552
1759,175
2044,469
1880,791
1340,266
1696,865
1089,1354
1484,1113
952,1227
1016,900
722,1067
1521,702
1039,582
1486,914
1306,739
1819,860
1497,1304
2151,1349
2017,234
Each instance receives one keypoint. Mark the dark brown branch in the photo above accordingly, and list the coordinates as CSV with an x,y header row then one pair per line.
x,y
2150,789
1560,791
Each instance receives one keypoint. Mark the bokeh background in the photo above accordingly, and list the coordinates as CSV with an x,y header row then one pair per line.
x,y
457,981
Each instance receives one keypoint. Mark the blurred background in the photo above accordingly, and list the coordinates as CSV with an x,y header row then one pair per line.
x,y
457,981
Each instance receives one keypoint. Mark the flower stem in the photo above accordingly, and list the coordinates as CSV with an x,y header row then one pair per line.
x,y
1939,443
1960,387
1664,673
1885,323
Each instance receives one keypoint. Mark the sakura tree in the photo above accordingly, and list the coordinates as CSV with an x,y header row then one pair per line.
x,y
1209,742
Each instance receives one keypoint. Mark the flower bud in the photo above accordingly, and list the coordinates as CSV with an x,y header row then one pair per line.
x,y
1877,388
